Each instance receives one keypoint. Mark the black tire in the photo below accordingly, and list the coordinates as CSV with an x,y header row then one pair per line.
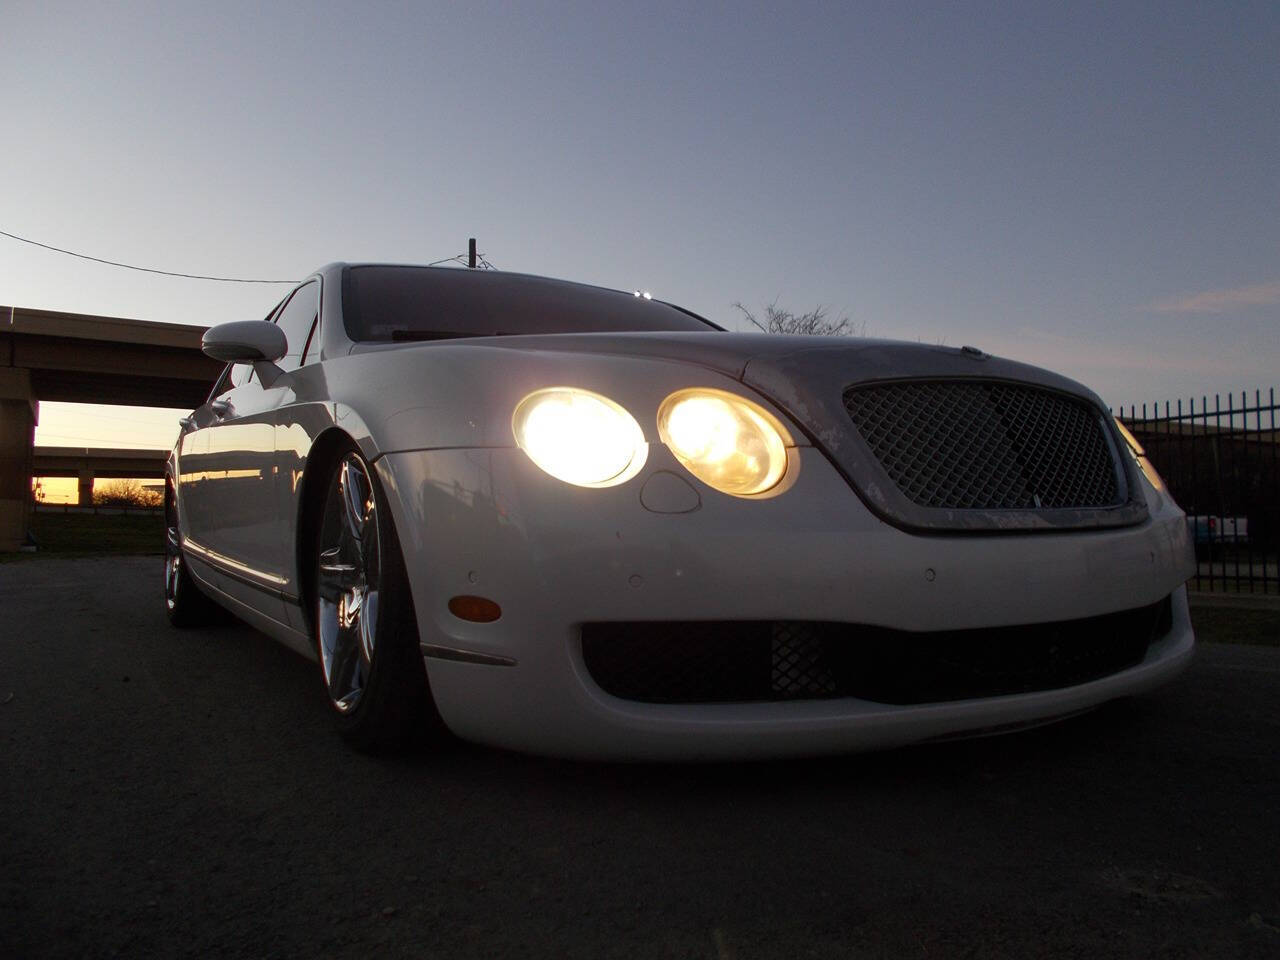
x,y
184,604
365,628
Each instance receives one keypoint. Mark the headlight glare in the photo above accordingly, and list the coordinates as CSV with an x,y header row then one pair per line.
x,y
724,440
579,437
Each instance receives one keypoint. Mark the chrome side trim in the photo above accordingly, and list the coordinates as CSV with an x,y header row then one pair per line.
x,y
464,656
266,582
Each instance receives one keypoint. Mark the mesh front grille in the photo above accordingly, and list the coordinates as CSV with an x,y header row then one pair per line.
x,y
760,660
972,445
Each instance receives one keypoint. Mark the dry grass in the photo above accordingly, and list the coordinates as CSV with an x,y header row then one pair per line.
x,y
87,534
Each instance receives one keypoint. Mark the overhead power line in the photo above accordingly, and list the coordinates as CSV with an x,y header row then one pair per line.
x,y
461,258
130,266
99,441
465,260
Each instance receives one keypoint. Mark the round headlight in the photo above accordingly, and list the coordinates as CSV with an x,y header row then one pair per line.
x,y
579,437
724,440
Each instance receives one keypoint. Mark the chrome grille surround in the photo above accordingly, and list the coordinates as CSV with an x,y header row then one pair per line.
x,y
987,445
809,384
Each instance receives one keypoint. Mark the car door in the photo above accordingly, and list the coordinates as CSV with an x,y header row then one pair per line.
x,y
198,513
237,526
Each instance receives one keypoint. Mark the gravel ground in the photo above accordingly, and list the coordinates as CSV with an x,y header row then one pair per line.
x,y
180,793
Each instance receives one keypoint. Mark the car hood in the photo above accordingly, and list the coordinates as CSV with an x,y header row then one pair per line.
x,y
807,378
804,375
774,362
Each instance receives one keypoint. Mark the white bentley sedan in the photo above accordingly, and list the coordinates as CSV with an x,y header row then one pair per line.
x,y
584,523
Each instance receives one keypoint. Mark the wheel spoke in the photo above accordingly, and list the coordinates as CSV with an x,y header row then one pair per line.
x,y
368,545
331,563
368,627
354,603
353,499
344,669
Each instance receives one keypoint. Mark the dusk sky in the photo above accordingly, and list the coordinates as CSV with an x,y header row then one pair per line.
x,y
1094,188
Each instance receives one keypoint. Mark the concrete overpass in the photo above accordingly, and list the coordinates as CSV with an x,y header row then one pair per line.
x,y
82,358
88,463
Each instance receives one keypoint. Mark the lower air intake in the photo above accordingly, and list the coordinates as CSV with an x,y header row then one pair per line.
x,y
760,660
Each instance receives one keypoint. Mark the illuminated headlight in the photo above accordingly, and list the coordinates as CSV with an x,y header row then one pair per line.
x,y
727,442
579,437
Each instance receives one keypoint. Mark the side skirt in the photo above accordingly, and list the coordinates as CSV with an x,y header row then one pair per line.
x,y
294,639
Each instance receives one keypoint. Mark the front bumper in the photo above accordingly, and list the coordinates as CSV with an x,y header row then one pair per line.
x,y
487,522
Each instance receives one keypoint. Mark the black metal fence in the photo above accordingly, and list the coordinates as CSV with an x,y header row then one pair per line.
x,y
1221,461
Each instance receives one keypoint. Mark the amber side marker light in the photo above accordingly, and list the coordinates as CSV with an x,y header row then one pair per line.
x,y
475,609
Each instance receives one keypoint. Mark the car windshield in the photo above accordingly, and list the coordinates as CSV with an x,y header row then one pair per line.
x,y
387,303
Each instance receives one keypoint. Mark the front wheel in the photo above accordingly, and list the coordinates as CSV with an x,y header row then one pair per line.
x,y
366,630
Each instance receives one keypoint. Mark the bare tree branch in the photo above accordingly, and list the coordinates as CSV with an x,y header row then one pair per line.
x,y
815,322
750,316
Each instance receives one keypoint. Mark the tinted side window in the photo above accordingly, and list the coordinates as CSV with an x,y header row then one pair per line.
x,y
296,320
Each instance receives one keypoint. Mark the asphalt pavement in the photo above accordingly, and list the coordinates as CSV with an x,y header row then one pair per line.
x,y
180,793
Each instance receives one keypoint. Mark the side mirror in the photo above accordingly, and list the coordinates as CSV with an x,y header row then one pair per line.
x,y
245,341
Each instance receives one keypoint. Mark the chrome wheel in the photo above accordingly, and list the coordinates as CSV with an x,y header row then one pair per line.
x,y
348,581
172,554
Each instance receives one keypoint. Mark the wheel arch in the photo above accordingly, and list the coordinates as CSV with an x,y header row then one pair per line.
x,y
171,490
323,456
408,712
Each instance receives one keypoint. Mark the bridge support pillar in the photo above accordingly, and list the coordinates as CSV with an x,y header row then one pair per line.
x,y
19,413
84,487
